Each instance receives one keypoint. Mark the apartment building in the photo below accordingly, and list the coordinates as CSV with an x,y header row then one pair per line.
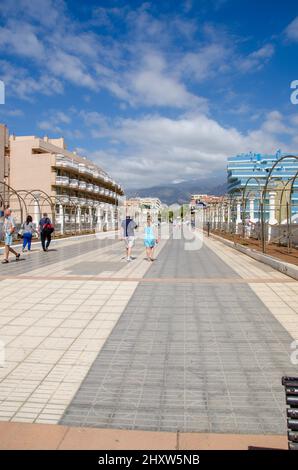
x,y
141,207
81,191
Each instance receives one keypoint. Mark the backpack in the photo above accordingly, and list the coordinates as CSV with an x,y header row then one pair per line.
x,y
48,227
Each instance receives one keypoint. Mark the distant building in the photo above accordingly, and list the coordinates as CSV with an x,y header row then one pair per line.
x,y
141,207
251,170
203,199
257,166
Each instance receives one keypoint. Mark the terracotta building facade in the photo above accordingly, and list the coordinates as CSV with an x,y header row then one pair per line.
x,y
49,178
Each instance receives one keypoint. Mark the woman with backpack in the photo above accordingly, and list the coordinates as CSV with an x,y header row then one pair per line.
x,y
28,230
46,229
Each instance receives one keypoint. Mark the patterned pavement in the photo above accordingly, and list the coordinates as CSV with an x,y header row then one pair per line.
x,y
196,341
189,357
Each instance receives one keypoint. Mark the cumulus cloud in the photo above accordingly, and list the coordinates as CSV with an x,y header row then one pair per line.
x,y
155,149
153,85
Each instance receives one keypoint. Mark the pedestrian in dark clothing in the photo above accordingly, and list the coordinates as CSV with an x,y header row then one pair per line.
x,y
45,229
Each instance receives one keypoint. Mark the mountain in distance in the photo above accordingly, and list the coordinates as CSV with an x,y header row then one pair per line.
x,y
181,192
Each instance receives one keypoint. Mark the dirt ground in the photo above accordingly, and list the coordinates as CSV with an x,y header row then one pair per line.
x,y
280,252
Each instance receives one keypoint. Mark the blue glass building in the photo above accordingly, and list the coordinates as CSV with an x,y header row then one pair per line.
x,y
257,166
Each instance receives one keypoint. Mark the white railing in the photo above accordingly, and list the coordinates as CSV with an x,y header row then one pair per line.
x,y
73,183
62,180
90,187
63,199
63,163
82,168
82,185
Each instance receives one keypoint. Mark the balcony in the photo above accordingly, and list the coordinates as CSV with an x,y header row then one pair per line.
x,y
96,189
62,199
82,185
90,170
82,168
90,202
82,201
74,200
62,180
63,162
90,187
73,183
101,175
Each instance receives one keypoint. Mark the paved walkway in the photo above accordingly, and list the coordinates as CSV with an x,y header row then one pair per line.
x,y
25,436
196,341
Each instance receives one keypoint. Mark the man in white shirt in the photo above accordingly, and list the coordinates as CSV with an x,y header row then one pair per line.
x,y
8,229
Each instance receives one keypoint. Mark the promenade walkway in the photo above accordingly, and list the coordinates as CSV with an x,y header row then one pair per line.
x,y
196,341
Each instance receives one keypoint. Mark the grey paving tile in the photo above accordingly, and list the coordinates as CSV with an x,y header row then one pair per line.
x,y
189,357
55,254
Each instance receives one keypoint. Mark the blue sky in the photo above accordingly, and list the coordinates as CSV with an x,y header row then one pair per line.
x,y
155,92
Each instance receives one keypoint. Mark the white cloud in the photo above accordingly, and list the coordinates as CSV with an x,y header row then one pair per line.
x,y
275,125
256,59
207,61
20,84
45,12
20,38
153,85
71,68
58,122
292,30
154,150
145,66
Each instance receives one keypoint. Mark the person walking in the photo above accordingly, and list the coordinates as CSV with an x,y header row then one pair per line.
x,y
8,229
45,229
128,226
150,239
28,230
